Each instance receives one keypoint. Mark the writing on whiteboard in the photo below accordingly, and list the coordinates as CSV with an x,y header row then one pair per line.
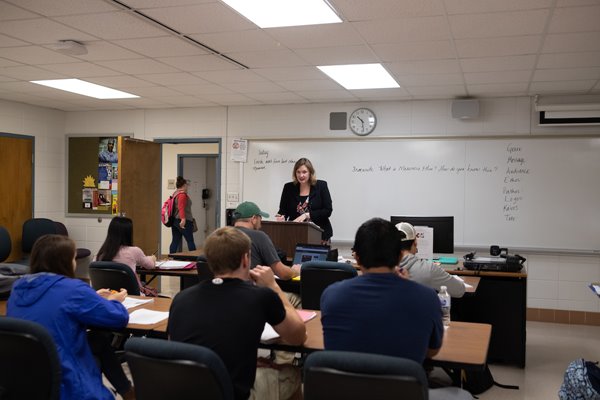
x,y
513,190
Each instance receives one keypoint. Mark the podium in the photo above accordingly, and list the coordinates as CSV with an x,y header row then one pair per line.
x,y
285,235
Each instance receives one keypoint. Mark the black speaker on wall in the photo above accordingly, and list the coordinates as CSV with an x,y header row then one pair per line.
x,y
337,121
465,108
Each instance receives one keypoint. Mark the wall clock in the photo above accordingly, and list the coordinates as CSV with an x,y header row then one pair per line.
x,y
362,121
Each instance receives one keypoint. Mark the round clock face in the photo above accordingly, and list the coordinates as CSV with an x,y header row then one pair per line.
x,y
362,121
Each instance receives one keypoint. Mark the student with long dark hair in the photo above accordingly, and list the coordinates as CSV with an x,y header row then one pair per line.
x,y
66,307
118,247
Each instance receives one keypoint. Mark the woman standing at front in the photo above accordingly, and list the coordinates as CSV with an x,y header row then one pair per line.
x,y
183,225
307,199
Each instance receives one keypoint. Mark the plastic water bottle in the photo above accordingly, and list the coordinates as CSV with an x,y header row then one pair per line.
x,y
445,303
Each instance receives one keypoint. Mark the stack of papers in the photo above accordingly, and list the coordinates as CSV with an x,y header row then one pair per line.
x,y
147,317
595,286
172,264
306,315
130,302
268,334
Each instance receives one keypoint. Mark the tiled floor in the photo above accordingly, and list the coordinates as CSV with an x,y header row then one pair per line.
x,y
550,348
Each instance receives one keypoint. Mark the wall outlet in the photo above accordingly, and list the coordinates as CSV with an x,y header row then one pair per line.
x,y
233,196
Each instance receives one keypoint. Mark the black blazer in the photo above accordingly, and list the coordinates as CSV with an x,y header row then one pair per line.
x,y
319,205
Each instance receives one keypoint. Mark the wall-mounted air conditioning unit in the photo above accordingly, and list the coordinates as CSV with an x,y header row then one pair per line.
x,y
568,110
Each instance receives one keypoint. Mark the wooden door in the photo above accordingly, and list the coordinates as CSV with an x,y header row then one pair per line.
x,y
139,190
16,190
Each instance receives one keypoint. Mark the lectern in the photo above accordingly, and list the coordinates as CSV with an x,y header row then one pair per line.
x,y
285,235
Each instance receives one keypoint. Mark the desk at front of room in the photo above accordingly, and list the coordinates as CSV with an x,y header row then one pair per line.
x,y
500,300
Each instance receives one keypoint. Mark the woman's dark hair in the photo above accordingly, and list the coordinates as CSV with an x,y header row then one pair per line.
x,y
120,233
53,253
180,182
377,244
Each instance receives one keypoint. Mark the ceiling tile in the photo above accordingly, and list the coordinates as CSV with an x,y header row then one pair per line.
x,y
379,94
291,73
231,99
199,63
449,91
575,3
497,77
41,31
498,24
337,55
120,82
142,102
134,67
430,80
65,7
327,95
229,42
30,73
112,25
311,36
572,42
202,18
508,63
575,19
495,47
35,55
303,85
404,30
481,6
7,41
360,10
174,78
202,90
516,89
231,76
105,51
424,67
278,98
266,59
8,63
154,91
441,49
6,78
567,74
561,86
569,60
166,46
185,101
9,11
143,4
254,87
80,70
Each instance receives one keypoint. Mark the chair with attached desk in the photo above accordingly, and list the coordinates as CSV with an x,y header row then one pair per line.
x,y
204,272
28,360
33,229
315,276
362,376
113,275
163,369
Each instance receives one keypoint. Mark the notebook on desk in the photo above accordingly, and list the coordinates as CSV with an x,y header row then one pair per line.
x,y
310,252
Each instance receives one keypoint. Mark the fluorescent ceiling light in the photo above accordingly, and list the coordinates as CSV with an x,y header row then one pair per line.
x,y
360,76
277,13
85,88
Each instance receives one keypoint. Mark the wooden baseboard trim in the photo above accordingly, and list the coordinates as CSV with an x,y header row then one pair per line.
x,y
563,316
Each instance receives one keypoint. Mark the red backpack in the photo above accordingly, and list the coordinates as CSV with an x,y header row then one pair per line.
x,y
166,212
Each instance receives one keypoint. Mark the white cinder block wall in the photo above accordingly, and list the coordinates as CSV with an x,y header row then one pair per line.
x,y
556,281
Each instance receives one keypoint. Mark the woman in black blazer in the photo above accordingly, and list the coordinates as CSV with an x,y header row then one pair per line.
x,y
306,199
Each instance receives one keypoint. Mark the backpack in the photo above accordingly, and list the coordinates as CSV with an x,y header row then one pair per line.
x,y
581,381
166,212
477,381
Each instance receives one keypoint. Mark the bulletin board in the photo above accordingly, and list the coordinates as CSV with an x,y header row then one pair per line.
x,y
92,175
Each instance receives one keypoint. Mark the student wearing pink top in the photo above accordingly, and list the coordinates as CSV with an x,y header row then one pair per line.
x,y
118,247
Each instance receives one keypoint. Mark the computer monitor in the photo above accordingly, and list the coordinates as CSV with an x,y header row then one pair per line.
x,y
443,230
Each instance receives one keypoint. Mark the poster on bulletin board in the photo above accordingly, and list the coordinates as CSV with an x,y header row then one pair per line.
x,y
92,177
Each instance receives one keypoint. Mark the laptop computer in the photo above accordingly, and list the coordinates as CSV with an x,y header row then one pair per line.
x,y
310,252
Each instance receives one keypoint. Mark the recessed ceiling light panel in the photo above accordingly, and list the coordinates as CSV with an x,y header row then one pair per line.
x,y
279,13
360,76
86,88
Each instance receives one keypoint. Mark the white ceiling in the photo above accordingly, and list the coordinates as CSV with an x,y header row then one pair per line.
x,y
433,48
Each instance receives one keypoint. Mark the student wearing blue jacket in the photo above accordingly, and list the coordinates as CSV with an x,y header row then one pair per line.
x,y
66,307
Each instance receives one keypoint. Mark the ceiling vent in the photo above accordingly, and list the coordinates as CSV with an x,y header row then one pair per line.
x,y
568,110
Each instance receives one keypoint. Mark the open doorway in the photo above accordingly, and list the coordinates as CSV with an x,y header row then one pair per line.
x,y
198,160
201,171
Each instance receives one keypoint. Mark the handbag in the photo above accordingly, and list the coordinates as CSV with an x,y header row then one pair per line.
x,y
195,225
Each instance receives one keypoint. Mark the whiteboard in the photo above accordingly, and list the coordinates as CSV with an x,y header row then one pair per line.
x,y
538,193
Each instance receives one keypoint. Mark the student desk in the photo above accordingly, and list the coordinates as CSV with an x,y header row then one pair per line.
x,y
465,344
187,277
501,300
187,255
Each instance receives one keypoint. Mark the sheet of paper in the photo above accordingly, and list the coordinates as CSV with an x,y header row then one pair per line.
x,y
147,317
130,302
595,288
268,334
306,315
172,264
